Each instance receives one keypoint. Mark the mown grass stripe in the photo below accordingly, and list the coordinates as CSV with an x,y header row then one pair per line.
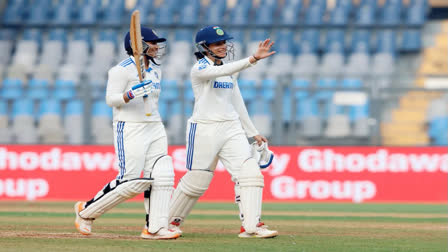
x,y
230,217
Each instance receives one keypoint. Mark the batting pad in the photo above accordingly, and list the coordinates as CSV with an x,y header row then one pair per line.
x,y
113,194
161,190
192,185
251,184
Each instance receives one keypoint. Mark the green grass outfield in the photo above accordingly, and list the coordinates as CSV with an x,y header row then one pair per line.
x,y
48,226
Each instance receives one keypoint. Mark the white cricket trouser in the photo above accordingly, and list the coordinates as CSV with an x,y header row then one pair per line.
x,y
137,146
224,140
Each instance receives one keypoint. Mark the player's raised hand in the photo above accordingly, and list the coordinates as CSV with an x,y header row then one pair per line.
x,y
264,49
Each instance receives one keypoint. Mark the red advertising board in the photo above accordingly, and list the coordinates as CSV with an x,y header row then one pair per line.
x,y
356,174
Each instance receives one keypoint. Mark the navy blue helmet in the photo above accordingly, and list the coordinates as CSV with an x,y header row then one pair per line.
x,y
148,35
211,34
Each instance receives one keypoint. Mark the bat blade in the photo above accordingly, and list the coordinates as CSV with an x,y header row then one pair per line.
x,y
137,48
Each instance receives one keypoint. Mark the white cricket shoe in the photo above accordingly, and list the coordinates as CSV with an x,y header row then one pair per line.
x,y
162,234
262,232
175,226
84,226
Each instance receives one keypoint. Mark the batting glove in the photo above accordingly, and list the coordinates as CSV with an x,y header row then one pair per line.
x,y
139,90
262,154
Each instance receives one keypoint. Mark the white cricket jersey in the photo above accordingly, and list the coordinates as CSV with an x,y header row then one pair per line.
x,y
123,77
217,95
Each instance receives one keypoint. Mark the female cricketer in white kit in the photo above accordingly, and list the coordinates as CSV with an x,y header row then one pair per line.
x,y
219,129
140,144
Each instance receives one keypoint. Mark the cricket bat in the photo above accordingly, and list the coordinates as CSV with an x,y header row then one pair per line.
x,y
137,49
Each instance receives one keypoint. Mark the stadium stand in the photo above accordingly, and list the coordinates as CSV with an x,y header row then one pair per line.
x,y
59,56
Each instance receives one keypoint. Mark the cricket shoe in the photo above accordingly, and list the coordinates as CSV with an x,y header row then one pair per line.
x,y
175,226
84,226
262,232
162,234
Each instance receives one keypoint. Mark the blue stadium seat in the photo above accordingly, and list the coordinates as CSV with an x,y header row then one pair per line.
x,y
169,90
365,16
38,89
74,107
352,83
284,42
309,41
164,15
412,40
290,13
420,3
188,91
237,34
88,14
63,15
175,109
11,89
345,4
373,3
415,15
331,109
188,109
189,15
13,15
113,13
305,108
215,14
314,15
100,108
64,90
39,15
326,83
438,130
4,108
83,34
387,41
7,34
390,16
240,14
248,89
268,89
264,15
50,106
23,107
339,16
33,34
361,41
258,35
335,41
301,83
108,35
163,109
58,34
359,112
183,35
260,107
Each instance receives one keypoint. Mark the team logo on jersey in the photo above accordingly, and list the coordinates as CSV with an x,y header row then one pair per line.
x,y
202,66
156,74
223,84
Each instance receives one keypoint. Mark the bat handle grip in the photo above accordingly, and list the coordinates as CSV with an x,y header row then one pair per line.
x,y
147,105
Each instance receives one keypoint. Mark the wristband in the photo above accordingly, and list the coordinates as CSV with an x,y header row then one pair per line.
x,y
255,57
130,95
